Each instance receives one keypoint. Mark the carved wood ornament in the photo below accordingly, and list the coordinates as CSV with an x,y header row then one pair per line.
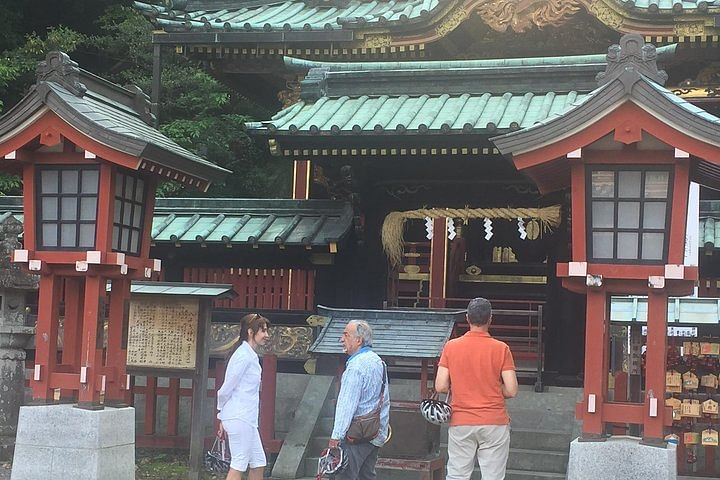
x,y
521,15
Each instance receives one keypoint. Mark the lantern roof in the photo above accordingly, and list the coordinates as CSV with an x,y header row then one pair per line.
x,y
110,115
631,77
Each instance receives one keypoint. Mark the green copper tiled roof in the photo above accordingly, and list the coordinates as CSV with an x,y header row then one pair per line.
x,y
480,113
236,221
283,16
449,97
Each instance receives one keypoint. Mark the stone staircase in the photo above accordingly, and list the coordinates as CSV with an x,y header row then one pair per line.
x,y
543,426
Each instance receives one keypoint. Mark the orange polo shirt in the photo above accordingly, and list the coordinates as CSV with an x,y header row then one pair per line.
x,y
475,362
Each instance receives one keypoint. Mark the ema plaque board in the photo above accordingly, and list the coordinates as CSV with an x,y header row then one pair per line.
x,y
162,333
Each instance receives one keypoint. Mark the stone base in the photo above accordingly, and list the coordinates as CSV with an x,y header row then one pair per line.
x,y
621,458
59,441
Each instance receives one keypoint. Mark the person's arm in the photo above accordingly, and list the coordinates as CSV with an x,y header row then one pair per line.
x,y
347,403
442,380
236,368
509,383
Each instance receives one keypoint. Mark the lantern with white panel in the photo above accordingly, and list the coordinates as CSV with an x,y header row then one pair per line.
x,y
629,170
90,160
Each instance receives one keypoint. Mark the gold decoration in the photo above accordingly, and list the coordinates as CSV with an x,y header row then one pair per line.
x,y
412,269
451,21
533,230
378,40
285,342
310,366
291,95
316,320
473,270
289,342
607,15
689,29
223,337
394,224
522,15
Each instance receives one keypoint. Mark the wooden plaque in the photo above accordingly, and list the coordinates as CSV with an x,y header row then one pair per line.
x,y
162,333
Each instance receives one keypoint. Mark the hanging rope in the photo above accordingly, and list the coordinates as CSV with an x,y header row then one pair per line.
x,y
394,224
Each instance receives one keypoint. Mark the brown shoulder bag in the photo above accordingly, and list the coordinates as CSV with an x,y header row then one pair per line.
x,y
365,428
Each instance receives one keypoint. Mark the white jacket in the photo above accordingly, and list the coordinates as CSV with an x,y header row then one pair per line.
x,y
239,396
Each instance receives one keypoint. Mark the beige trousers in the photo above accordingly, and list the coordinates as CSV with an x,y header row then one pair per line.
x,y
490,444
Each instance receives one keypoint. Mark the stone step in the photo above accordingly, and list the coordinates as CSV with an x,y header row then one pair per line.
x,y
548,440
519,438
537,460
525,475
520,462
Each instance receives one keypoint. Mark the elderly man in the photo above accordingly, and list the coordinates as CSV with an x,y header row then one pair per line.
x,y
481,373
363,389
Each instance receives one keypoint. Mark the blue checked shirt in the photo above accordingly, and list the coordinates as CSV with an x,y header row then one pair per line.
x,y
360,394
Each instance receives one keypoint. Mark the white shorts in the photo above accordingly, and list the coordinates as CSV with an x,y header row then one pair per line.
x,y
246,448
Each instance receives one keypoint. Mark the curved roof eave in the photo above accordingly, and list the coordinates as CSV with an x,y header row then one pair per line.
x,y
645,93
43,97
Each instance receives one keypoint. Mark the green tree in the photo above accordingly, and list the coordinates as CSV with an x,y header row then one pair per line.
x,y
197,110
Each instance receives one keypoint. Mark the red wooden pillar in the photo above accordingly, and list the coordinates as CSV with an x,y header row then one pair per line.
x,y
438,263
72,331
424,378
302,171
150,405
268,391
620,395
220,367
116,392
173,409
46,334
596,365
655,367
90,355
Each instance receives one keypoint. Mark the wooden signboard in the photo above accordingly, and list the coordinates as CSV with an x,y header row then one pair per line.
x,y
163,333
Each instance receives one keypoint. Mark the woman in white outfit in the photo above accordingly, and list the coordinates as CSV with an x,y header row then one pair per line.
x,y
238,400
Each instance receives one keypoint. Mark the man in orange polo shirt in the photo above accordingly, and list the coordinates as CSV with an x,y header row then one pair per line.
x,y
481,373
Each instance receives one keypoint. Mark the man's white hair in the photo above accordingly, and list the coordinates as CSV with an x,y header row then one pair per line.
x,y
363,330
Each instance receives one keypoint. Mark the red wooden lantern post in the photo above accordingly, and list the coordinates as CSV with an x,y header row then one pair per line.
x,y
628,152
90,161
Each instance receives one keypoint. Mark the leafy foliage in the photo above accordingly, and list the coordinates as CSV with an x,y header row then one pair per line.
x,y
197,111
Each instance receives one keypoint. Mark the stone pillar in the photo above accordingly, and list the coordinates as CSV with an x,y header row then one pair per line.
x,y
14,335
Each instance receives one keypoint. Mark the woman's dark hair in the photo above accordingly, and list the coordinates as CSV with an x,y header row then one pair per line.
x,y
254,322
251,321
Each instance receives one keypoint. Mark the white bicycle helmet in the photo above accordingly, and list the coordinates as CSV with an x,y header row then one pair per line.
x,y
331,461
435,411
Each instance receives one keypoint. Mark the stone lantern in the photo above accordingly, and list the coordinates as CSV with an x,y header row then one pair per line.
x,y
15,331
